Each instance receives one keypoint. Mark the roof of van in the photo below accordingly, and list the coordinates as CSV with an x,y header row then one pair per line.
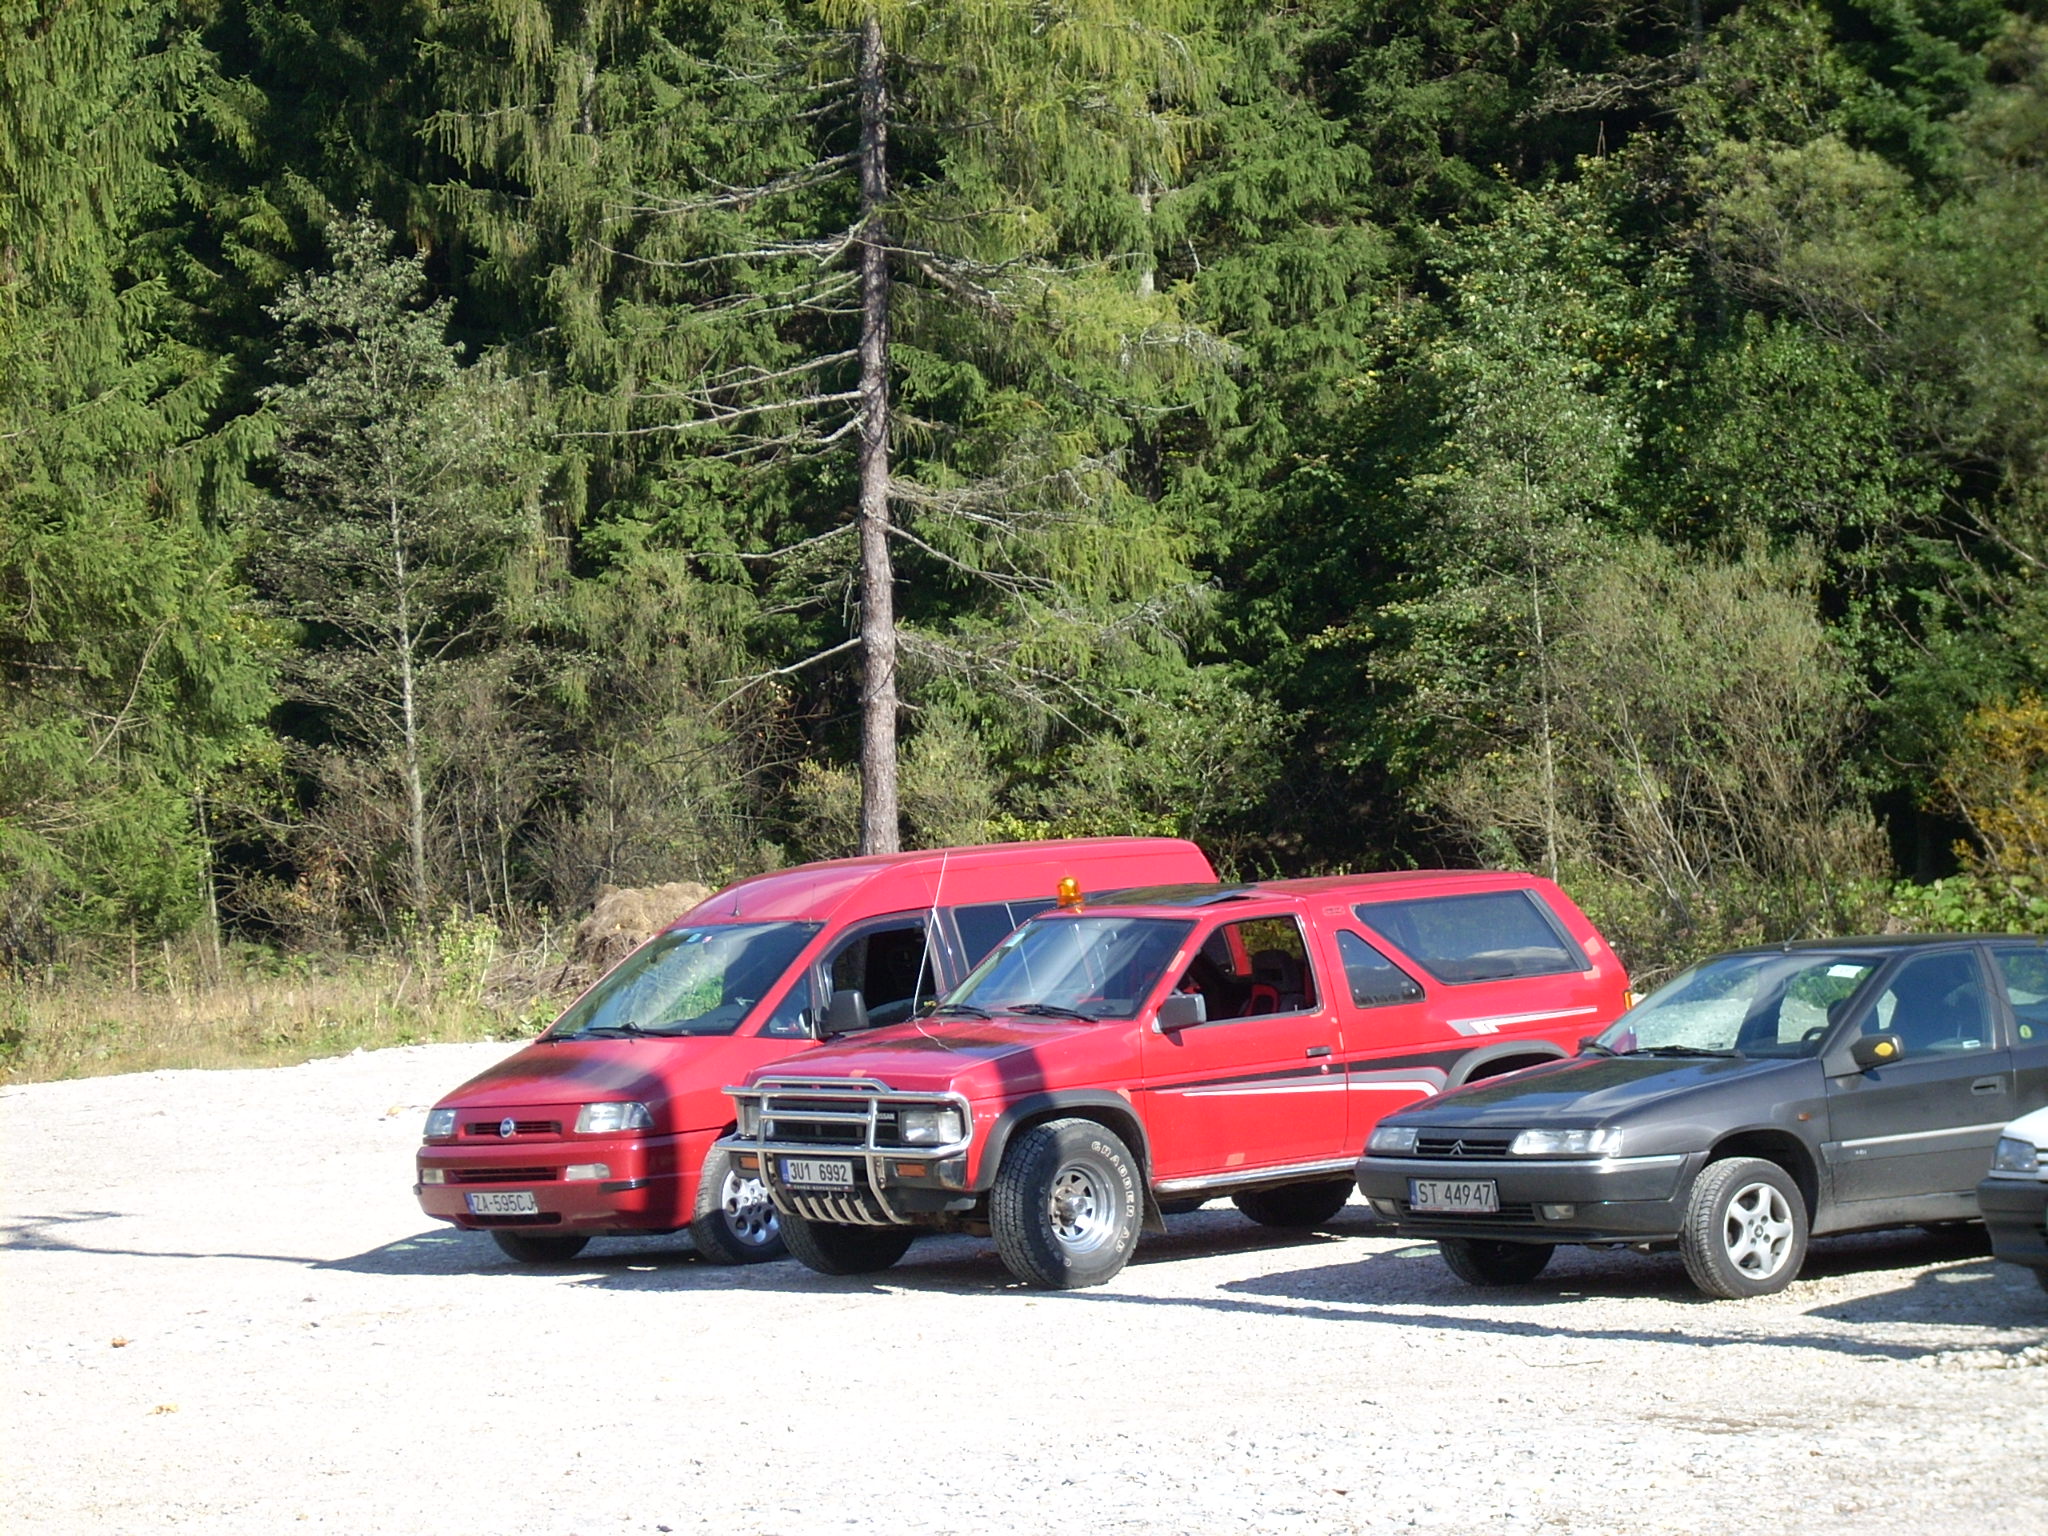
x,y
815,891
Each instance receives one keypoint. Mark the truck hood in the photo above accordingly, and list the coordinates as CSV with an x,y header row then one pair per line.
x,y
580,1071
1588,1090
971,1056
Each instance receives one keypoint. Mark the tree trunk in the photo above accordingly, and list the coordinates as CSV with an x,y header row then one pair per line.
x,y
409,724
879,830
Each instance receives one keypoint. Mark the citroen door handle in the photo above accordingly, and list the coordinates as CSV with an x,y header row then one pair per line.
x,y
1317,1051
1988,1085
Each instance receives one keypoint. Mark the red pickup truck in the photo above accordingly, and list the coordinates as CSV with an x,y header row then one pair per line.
x,y
605,1124
1110,1064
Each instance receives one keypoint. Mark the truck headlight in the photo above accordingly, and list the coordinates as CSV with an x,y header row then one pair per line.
x,y
749,1117
1604,1142
440,1124
2015,1156
931,1127
1392,1138
611,1118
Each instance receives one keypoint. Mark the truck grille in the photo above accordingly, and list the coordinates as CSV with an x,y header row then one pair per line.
x,y
1454,1144
793,1120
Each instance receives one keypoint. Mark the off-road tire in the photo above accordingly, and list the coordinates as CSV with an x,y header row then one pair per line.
x,y
832,1249
530,1248
1299,1206
1487,1261
1066,1205
1745,1229
736,1222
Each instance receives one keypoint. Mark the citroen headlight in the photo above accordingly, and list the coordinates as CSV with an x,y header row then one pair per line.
x,y
611,1118
930,1127
440,1124
1392,1138
749,1116
2015,1156
1605,1142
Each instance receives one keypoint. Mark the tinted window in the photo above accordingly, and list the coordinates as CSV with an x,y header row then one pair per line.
x,y
1476,938
2025,973
1935,1004
982,928
1374,979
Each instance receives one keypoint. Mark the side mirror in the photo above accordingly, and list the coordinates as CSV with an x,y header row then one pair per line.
x,y
1182,1009
1874,1051
846,1014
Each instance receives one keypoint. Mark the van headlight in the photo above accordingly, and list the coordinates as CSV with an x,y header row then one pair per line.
x,y
611,1118
440,1124
933,1127
1604,1142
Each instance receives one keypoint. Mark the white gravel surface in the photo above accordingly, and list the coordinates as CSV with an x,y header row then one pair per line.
x,y
223,1312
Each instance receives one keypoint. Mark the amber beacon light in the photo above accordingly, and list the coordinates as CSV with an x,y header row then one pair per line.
x,y
1070,894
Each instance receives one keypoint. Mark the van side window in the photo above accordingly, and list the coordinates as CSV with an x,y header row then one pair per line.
x,y
891,966
1375,980
983,927
1487,937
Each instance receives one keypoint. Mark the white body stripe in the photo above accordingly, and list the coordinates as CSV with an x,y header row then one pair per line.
x,y
1494,1023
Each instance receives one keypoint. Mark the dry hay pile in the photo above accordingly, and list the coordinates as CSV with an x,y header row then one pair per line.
x,y
624,919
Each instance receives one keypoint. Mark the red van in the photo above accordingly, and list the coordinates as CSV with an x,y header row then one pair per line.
x,y
605,1124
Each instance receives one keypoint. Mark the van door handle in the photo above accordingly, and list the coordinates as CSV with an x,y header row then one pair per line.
x,y
1988,1085
1317,1050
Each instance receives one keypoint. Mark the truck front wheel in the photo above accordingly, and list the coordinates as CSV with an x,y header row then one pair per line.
x,y
1066,1205
831,1249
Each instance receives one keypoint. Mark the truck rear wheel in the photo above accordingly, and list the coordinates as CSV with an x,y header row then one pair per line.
x,y
530,1249
1295,1205
736,1222
832,1249
1066,1205
1488,1261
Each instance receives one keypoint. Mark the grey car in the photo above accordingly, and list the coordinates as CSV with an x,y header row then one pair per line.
x,y
1757,1099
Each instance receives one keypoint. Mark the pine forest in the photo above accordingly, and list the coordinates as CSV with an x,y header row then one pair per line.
x,y
458,455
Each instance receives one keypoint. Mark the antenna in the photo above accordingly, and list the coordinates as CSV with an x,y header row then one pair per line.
x,y
931,927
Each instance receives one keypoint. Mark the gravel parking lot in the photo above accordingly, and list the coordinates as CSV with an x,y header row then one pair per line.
x,y
223,1312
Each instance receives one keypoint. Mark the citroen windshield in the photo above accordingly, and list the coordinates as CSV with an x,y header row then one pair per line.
x,y
1780,1004
1082,967
701,980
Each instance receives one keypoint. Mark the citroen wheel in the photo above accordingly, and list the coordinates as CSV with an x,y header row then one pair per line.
x,y
736,1222
1745,1229
1066,1205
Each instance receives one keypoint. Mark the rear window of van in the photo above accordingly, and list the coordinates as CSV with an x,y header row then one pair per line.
x,y
982,928
1488,937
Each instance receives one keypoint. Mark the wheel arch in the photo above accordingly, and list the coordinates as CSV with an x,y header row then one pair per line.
x,y
1501,1057
1111,1110
1781,1148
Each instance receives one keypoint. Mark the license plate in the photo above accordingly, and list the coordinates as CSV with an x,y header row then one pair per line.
x,y
822,1172
504,1202
1480,1195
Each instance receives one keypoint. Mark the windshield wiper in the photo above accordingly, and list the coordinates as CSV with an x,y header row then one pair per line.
x,y
626,1031
967,1008
1049,1011
1591,1047
1678,1050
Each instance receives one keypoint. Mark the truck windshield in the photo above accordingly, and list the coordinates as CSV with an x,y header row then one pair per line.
x,y
1779,1004
688,981
1096,967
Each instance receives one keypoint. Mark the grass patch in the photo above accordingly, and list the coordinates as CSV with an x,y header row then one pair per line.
x,y
251,1016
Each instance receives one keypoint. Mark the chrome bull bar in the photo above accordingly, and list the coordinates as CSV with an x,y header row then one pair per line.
x,y
854,1106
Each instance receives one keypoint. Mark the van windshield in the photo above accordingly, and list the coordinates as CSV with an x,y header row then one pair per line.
x,y
688,981
1091,967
